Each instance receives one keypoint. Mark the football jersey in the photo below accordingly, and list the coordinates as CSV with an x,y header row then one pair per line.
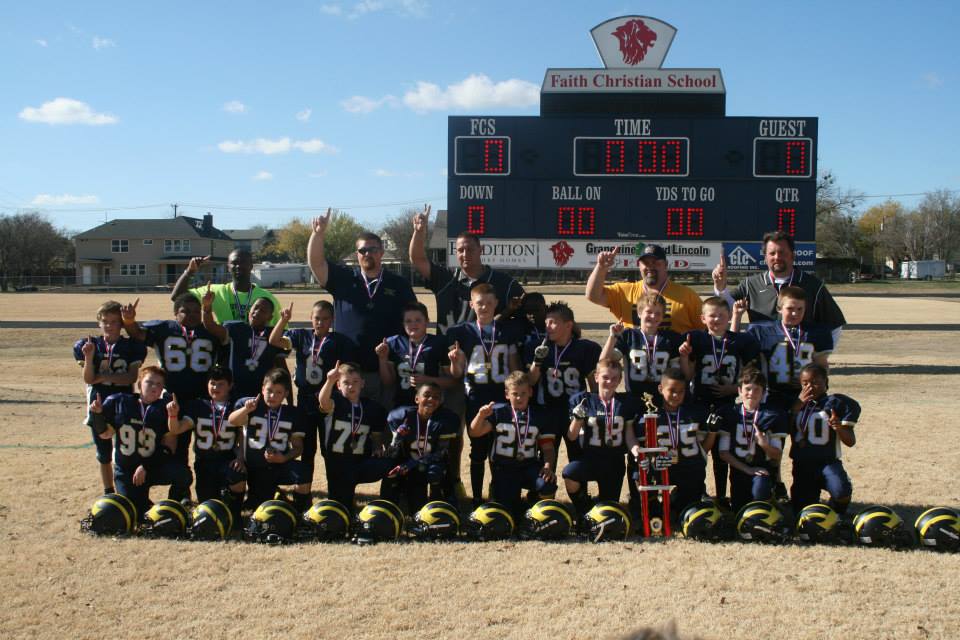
x,y
418,439
315,356
425,358
111,358
271,428
601,436
785,353
812,438
214,435
518,437
139,428
347,430
488,360
682,431
187,355
251,356
645,359
452,291
564,371
719,361
737,431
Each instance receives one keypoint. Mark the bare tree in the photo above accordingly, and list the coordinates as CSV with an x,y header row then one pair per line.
x,y
29,244
399,229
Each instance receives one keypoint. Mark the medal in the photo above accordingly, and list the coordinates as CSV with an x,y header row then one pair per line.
x,y
651,350
255,341
557,357
188,337
108,351
521,439
217,418
422,446
674,434
273,425
609,414
717,361
412,357
315,349
372,293
355,419
749,433
241,308
487,353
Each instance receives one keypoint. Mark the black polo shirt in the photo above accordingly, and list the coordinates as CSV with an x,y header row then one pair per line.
x,y
762,292
452,290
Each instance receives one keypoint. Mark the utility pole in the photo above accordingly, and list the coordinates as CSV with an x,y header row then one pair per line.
x,y
174,206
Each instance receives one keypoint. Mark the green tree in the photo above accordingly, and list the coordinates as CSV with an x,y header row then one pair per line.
x,y
292,240
341,238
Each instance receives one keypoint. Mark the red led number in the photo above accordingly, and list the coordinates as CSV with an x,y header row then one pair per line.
x,y
796,160
787,220
576,221
476,219
616,156
493,156
684,222
658,156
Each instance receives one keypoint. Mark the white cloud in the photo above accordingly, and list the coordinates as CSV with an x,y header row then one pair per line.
x,y
47,200
304,116
41,42
362,104
263,175
235,106
331,9
409,8
388,173
477,91
66,111
932,80
278,146
102,43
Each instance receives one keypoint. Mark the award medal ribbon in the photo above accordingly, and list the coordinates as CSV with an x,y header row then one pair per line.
x,y
315,348
356,418
242,308
144,412
371,294
255,340
415,357
422,444
674,433
108,352
188,337
751,432
610,414
521,439
487,353
273,425
718,361
651,349
773,281
216,418
557,357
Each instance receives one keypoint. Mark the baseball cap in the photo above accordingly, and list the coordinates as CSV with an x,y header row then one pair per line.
x,y
653,251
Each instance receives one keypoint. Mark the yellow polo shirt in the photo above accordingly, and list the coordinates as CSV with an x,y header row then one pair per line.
x,y
683,305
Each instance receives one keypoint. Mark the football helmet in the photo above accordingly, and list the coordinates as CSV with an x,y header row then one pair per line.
x,y
379,521
939,528
818,523
547,520
329,520
436,520
111,515
166,519
761,521
879,526
607,521
702,521
490,521
212,520
273,522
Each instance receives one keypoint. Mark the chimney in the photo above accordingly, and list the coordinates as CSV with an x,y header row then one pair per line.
x,y
207,221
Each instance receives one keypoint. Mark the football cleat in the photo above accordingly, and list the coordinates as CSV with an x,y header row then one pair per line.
x,y
939,528
607,521
547,520
328,520
490,521
818,523
762,522
879,526
212,520
166,519
111,515
273,522
702,521
379,521
436,520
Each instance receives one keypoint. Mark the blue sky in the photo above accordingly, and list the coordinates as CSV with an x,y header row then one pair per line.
x,y
233,106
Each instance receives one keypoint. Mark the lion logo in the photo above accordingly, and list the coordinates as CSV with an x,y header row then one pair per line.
x,y
635,38
562,253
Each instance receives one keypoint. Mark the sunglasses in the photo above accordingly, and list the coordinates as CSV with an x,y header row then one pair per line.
x,y
366,250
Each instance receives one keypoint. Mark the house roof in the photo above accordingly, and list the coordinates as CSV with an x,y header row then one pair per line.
x,y
248,234
179,227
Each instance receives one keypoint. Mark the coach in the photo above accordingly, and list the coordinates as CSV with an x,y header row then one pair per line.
x,y
683,303
367,300
452,289
231,301
761,290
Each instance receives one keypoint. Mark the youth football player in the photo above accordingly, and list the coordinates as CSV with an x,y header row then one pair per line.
x,y
483,353
520,436
410,359
109,363
821,426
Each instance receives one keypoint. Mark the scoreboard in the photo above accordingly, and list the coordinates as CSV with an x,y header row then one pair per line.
x,y
665,179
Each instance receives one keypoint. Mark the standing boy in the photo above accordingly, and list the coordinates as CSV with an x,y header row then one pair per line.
x,y
412,358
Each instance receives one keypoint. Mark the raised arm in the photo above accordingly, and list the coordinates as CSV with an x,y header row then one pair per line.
x,y
418,243
316,257
183,282
209,322
595,292
128,313
610,345
325,397
276,336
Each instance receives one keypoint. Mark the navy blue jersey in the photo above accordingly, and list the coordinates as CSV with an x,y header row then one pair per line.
x,y
271,428
118,357
812,437
251,356
488,361
315,356
599,435
518,438
737,433
425,358
187,355
452,291
564,372
347,430
783,356
367,312
645,359
210,422
415,438
719,361
682,432
139,429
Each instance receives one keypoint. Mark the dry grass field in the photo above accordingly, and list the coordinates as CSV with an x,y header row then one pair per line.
x,y
60,583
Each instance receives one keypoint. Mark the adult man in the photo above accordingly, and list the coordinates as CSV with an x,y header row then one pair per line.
x,y
452,290
683,303
368,301
762,289
231,301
